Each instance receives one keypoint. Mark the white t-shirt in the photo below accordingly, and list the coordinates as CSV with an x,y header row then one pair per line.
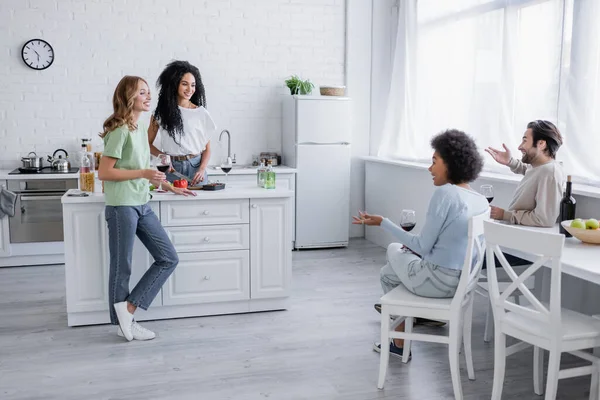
x,y
198,128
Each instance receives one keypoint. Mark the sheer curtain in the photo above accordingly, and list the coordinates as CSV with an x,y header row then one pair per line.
x,y
490,66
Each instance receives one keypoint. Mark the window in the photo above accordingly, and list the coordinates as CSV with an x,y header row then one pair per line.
x,y
489,67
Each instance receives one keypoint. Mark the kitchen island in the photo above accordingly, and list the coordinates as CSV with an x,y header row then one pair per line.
x,y
234,248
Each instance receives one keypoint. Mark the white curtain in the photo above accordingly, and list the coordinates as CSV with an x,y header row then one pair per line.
x,y
490,66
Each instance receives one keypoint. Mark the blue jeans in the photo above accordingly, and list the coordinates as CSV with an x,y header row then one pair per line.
x,y
124,223
420,277
189,169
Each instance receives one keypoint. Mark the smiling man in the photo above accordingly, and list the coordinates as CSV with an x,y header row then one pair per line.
x,y
536,201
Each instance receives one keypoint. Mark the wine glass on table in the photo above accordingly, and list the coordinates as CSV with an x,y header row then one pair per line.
x,y
488,192
226,167
163,164
408,220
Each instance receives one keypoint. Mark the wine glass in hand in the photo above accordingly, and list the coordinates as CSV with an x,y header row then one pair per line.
x,y
162,163
488,192
408,220
226,166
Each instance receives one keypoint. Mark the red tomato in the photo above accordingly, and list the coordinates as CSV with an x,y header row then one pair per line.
x,y
180,183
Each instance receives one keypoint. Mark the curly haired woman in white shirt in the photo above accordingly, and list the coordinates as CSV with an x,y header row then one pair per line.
x,y
181,119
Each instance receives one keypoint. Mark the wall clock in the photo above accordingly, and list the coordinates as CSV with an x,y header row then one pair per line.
x,y
37,54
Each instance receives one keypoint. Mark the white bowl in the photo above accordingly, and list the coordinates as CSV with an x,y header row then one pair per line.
x,y
591,236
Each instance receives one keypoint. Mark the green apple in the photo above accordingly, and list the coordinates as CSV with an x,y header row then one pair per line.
x,y
592,224
578,223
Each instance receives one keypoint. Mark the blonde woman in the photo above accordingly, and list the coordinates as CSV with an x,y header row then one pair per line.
x,y
125,170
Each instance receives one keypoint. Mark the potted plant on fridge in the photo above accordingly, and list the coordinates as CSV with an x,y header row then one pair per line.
x,y
299,86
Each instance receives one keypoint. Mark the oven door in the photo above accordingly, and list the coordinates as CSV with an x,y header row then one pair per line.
x,y
38,218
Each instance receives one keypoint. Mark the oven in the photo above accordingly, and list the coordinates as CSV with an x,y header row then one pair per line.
x,y
38,209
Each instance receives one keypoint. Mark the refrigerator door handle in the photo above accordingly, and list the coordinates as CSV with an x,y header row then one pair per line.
x,y
323,144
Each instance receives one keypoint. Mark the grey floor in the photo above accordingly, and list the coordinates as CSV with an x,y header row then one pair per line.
x,y
319,349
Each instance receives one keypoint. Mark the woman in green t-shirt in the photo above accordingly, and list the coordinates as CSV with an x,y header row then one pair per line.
x,y
125,169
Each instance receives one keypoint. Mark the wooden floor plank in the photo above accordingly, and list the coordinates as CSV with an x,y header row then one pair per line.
x,y
319,349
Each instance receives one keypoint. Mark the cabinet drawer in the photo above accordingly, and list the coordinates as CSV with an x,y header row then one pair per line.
x,y
188,239
204,212
209,277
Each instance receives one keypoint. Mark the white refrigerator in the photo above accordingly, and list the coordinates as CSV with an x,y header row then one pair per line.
x,y
316,136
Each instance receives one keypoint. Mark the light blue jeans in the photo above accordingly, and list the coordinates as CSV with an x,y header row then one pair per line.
x,y
188,168
124,224
418,276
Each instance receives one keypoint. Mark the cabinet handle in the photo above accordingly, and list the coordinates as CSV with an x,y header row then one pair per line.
x,y
207,239
205,212
254,206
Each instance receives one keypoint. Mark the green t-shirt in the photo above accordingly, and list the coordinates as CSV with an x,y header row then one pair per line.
x,y
132,151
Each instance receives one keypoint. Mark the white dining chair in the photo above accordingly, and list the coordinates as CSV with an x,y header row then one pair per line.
x,y
406,305
503,283
546,326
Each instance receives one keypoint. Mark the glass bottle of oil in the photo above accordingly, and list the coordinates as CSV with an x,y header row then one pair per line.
x,y
86,170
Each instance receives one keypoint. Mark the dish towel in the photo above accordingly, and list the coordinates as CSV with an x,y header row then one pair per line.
x,y
8,200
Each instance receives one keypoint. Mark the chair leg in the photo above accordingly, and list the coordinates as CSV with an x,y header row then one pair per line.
x,y
489,323
538,370
384,355
499,364
594,385
408,325
453,349
552,379
467,324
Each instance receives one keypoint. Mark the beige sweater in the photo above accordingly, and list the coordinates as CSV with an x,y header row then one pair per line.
x,y
536,201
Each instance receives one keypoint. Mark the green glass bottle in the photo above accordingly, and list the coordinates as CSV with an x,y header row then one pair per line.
x,y
269,177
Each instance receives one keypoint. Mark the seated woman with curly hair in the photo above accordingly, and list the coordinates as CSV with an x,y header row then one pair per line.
x,y
429,263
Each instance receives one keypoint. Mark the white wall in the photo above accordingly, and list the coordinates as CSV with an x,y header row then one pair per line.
x,y
358,80
244,50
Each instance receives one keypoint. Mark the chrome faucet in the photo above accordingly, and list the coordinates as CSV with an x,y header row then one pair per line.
x,y
228,144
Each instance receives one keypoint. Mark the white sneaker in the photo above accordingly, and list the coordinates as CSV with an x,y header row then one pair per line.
x,y
139,332
125,320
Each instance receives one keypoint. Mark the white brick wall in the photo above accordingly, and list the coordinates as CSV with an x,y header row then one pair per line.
x,y
244,49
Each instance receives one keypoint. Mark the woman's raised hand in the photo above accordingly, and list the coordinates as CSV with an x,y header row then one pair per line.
x,y
367,219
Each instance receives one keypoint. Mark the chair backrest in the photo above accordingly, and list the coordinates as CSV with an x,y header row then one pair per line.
x,y
473,262
547,247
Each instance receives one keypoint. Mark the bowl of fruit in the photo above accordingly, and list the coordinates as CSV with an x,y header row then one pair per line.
x,y
586,230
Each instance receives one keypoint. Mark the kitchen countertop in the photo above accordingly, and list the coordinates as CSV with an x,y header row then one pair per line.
x,y
232,192
249,170
245,170
5,176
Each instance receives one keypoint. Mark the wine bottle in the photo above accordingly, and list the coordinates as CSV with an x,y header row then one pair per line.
x,y
567,207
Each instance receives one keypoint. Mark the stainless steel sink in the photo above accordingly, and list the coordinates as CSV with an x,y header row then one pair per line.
x,y
235,166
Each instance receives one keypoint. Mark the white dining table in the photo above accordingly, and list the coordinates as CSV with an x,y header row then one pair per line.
x,y
579,259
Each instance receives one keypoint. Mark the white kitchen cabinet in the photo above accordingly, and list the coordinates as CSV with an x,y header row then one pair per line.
x,y
87,254
4,232
234,259
209,277
270,241
188,239
283,181
216,212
